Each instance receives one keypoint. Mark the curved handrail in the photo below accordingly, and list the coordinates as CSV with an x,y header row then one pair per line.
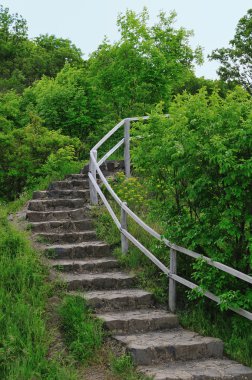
x,y
171,272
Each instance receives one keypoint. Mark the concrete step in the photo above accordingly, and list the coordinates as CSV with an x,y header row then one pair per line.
x,y
88,265
136,321
66,237
74,184
98,281
62,225
59,216
178,344
56,204
121,299
209,369
58,194
78,251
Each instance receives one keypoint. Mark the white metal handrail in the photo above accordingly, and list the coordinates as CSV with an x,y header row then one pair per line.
x,y
94,169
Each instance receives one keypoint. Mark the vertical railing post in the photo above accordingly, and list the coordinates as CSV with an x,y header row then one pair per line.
x,y
172,283
92,169
127,147
124,240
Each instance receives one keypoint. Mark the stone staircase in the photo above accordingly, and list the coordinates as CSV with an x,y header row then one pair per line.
x,y
59,218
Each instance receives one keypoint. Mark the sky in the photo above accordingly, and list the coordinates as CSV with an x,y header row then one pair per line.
x,y
86,22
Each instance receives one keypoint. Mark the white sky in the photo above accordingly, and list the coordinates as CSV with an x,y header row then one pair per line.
x,y
85,22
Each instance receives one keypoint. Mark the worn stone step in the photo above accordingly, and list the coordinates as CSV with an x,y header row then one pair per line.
x,y
55,204
62,225
58,194
178,344
121,299
209,369
108,166
58,216
108,280
88,265
78,177
66,237
69,185
136,321
78,251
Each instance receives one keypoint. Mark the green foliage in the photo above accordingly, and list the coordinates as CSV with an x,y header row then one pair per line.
x,y
130,190
23,61
24,336
198,169
145,66
82,332
27,154
63,102
236,60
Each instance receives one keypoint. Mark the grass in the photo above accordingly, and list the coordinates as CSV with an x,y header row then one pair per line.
x,y
82,332
123,367
88,342
24,291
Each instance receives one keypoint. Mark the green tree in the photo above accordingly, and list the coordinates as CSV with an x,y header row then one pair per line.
x,y
145,66
64,102
199,168
236,60
23,61
30,153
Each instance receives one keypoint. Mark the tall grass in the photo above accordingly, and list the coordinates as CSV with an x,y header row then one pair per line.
x,y
24,338
82,332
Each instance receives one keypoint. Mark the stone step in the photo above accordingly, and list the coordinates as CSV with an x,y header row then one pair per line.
x,y
213,369
58,194
136,321
78,251
79,177
55,204
111,166
98,281
69,185
89,265
66,237
58,216
121,299
62,225
178,344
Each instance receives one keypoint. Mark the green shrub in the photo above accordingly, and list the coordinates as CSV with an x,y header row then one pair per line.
x,y
198,172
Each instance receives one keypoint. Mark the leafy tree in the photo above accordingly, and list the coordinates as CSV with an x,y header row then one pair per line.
x,y
145,66
64,102
31,152
199,167
10,112
23,61
56,52
236,60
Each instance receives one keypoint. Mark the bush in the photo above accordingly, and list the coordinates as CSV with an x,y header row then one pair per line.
x,y
198,170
